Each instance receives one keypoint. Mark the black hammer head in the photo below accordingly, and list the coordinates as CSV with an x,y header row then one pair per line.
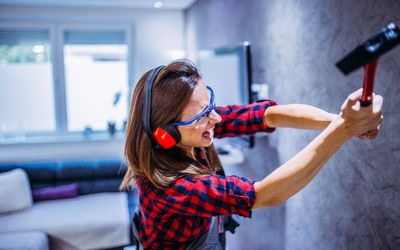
x,y
370,50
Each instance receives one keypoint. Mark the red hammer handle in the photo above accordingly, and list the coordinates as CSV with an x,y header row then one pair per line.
x,y
368,83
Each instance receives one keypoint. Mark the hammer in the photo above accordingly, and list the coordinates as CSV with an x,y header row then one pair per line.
x,y
367,55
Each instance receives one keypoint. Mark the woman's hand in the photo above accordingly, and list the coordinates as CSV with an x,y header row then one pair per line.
x,y
361,122
370,135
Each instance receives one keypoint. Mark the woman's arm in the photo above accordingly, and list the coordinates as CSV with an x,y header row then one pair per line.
x,y
296,173
297,116
292,176
239,120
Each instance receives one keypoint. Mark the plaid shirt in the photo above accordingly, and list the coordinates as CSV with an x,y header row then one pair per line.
x,y
174,217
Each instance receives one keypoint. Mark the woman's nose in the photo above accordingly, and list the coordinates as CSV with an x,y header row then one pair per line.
x,y
215,117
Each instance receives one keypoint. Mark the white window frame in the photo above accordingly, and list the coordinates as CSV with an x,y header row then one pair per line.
x,y
56,37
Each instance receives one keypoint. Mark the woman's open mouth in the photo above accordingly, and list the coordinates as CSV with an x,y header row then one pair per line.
x,y
208,135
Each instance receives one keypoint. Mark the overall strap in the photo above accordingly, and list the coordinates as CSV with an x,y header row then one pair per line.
x,y
211,240
135,229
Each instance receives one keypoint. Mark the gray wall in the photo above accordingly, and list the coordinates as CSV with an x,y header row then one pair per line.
x,y
354,202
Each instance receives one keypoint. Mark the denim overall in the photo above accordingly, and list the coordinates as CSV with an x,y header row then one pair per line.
x,y
211,240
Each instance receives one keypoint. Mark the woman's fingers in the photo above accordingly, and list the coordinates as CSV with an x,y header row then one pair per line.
x,y
362,127
373,133
356,95
352,99
377,103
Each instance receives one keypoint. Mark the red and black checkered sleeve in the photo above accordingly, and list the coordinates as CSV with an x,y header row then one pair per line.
x,y
208,196
240,120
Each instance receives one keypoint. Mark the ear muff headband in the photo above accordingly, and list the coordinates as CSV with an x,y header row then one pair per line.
x,y
167,136
147,103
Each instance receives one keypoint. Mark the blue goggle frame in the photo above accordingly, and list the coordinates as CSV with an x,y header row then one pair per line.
x,y
206,111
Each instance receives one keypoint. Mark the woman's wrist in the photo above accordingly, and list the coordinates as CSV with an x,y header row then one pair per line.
x,y
331,116
326,119
339,127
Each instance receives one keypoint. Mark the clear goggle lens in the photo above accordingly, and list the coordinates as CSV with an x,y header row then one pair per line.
x,y
204,119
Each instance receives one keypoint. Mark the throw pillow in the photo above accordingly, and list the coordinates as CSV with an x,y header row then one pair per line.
x,y
15,191
55,193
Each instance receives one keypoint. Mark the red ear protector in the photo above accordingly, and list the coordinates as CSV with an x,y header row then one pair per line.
x,y
165,136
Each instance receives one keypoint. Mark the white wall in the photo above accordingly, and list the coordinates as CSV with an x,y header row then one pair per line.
x,y
157,35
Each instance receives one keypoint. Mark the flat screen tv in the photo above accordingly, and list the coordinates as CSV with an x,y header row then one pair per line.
x,y
228,71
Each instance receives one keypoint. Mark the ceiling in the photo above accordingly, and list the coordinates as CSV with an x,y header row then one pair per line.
x,y
147,4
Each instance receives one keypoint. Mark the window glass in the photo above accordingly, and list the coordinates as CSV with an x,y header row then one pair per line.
x,y
26,82
96,78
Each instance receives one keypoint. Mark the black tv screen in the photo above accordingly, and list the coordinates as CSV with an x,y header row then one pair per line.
x,y
228,71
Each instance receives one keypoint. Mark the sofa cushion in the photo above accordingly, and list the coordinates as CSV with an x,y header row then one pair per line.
x,y
94,221
110,168
45,171
77,170
15,191
34,240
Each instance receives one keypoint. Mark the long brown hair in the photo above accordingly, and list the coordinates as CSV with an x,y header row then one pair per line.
x,y
171,93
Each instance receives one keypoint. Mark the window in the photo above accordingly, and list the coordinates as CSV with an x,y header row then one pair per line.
x,y
96,79
26,81
90,92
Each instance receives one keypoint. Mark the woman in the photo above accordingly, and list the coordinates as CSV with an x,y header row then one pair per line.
x,y
184,197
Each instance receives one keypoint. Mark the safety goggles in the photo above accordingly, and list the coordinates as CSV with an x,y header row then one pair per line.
x,y
204,117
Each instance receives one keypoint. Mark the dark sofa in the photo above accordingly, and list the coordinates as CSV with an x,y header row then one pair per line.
x,y
92,176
